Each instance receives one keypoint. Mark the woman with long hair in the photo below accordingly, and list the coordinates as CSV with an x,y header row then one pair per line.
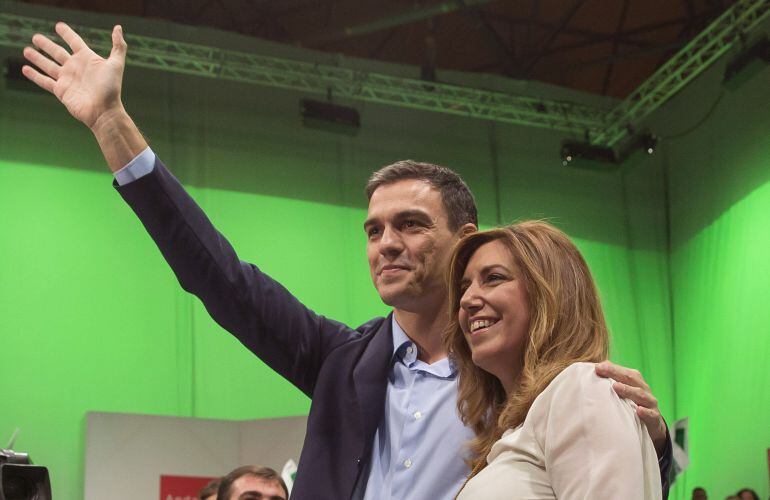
x,y
527,329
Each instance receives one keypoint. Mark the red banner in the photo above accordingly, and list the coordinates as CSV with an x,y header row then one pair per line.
x,y
182,487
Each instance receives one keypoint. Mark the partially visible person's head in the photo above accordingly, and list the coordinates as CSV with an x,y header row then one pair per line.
x,y
747,494
417,212
209,492
699,493
251,482
524,306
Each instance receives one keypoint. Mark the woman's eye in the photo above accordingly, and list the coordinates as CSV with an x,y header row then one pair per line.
x,y
495,277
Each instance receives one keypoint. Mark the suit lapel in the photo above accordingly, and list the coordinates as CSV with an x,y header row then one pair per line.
x,y
370,377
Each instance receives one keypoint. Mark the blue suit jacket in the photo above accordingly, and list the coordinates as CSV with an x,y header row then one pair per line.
x,y
343,370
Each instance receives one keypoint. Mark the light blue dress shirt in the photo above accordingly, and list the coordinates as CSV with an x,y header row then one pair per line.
x,y
141,165
419,445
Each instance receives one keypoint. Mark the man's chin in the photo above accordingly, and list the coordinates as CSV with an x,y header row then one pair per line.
x,y
397,297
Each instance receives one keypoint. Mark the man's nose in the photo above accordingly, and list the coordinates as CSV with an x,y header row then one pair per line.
x,y
391,242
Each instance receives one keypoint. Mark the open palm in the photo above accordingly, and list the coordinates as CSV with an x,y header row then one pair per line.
x,y
87,84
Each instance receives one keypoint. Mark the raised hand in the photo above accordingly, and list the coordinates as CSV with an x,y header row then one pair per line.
x,y
87,84
630,384
89,87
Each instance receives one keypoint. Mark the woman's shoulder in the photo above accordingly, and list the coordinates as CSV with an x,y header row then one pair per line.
x,y
578,381
581,375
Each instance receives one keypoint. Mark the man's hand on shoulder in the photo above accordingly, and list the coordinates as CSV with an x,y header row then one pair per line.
x,y
630,384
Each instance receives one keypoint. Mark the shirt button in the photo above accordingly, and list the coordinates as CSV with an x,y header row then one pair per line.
x,y
410,349
417,415
407,463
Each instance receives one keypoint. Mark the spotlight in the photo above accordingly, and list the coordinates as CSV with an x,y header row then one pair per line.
x,y
587,156
590,157
648,142
329,117
747,64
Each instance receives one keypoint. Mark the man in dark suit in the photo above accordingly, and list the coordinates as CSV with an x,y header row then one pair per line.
x,y
382,422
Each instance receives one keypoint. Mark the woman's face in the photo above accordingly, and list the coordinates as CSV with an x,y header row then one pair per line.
x,y
494,311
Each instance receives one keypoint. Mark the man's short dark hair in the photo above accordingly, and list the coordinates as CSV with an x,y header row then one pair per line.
x,y
265,473
210,489
747,490
455,195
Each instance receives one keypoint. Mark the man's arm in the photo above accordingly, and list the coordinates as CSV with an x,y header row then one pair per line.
x,y
260,312
89,86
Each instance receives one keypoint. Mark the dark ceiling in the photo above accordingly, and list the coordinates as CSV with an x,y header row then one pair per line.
x,y
605,47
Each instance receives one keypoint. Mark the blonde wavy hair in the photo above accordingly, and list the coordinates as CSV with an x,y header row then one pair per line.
x,y
566,326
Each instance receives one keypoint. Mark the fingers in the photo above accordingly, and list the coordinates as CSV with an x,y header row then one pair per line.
x,y
39,79
651,418
46,65
119,46
68,35
638,395
628,376
54,50
656,427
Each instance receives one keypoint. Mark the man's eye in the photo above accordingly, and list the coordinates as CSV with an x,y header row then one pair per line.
x,y
372,231
408,224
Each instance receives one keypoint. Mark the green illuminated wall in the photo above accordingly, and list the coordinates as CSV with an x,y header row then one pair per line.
x,y
719,190
92,319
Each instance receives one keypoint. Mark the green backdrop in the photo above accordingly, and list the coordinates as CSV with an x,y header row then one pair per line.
x,y
91,318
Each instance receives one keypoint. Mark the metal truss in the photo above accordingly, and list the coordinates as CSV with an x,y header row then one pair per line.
x,y
692,60
200,60
602,127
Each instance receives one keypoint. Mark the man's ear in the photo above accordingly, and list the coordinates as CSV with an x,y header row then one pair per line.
x,y
467,229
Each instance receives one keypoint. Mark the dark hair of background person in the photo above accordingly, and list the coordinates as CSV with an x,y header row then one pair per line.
x,y
210,489
265,473
699,493
749,491
566,326
457,198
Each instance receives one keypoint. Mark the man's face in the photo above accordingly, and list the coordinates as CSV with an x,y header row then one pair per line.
x,y
250,487
409,244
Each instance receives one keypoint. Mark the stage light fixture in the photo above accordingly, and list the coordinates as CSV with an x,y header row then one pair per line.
x,y
329,117
747,64
587,156
648,142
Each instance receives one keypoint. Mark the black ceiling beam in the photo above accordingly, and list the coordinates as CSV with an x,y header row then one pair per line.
x,y
388,21
626,55
504,54
593,37
615,47
566,18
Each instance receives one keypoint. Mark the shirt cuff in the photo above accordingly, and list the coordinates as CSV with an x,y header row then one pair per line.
x,y
141,165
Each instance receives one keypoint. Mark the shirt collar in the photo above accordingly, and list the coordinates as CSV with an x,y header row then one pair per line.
x,y
400,339
405,350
